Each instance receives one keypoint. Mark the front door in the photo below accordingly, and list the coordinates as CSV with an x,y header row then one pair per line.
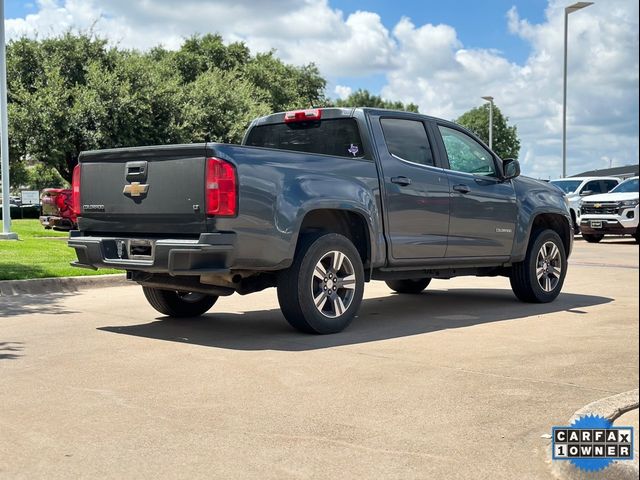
x,y
416,190
483,207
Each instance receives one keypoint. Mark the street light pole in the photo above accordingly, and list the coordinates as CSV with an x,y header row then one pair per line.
x,y
4,137
490,100
570,9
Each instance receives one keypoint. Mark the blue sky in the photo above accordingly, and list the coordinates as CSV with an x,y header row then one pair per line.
x,y
480,24
442,56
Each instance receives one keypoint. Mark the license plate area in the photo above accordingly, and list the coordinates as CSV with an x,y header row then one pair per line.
x,y
140,249
596,223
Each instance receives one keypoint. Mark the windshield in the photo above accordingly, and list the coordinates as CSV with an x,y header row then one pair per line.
x,y
628,186
567,186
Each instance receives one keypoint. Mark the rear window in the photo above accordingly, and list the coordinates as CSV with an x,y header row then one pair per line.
x,y
339,137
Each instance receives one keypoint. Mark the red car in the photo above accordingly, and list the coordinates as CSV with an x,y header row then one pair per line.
x,y
57,209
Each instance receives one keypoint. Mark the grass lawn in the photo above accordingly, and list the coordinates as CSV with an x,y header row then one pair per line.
x,y
39,253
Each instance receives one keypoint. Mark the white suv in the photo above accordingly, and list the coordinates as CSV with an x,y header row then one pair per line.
x,y
575,188
614,213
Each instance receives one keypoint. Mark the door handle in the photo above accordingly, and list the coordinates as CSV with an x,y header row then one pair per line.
x,y
402,181
461,188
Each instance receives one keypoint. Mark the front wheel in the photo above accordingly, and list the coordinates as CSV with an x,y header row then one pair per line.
x,y
179,304
592,237
408,286
322,290
539,278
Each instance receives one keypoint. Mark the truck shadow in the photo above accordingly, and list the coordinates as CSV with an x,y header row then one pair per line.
x,y
380,318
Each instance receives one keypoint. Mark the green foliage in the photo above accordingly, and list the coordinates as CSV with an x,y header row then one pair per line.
x,y
220,105
505,137
285,87
73,92
41,176
362,98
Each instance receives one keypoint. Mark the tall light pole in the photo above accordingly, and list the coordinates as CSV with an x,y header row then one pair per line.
x,y
4,136
570,9
490,100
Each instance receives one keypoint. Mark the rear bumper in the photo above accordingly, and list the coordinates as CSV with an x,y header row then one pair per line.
x,y
52,221
210,253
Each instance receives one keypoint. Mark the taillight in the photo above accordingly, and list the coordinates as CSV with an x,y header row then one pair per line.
x,y
221,189
303,115
76,189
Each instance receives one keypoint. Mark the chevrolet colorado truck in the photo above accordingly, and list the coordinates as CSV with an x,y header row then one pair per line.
x,y
613,213
578,188
316,203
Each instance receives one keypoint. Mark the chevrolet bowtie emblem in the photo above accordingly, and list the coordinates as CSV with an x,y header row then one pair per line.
x,y
135,189
598,205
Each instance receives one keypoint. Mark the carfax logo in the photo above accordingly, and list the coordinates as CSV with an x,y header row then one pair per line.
x,y
591,443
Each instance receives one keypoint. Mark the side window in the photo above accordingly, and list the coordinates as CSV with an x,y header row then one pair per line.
x,y
593,186
407,140
609,184
465,154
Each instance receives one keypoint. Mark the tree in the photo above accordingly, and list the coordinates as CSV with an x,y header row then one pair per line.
x,y
505,137
219,105
362,98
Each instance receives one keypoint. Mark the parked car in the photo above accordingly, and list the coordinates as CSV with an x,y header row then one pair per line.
x,y
576,188
14,210
57,209
613,213
316,203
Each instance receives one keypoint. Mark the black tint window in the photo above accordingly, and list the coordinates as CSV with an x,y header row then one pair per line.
x,y
593,186
338,137
407,139
609,184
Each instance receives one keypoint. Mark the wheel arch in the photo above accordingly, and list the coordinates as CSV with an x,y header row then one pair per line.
x,y
350,223
556,222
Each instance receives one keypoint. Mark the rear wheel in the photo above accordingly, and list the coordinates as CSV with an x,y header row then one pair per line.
x,y
539,278
592,237
322,290
408,286
179,304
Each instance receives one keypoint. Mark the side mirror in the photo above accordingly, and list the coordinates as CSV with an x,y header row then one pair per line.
x,y
586,193
511,168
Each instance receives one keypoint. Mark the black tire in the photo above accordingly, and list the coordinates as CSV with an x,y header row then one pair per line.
x,y
592,237
179,304
408,286
524,275
298,284
637,236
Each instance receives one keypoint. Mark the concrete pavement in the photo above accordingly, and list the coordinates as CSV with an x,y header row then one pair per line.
x,y
459,382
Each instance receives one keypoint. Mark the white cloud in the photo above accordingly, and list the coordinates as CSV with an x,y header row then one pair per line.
x,y
424,64
342,91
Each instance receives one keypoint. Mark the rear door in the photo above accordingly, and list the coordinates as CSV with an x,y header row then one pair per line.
x,y
483,207
416,191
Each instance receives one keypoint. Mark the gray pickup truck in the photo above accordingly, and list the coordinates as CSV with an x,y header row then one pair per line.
x,y
317,203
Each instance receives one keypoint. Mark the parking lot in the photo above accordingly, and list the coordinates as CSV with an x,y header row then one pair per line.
x,y
458,382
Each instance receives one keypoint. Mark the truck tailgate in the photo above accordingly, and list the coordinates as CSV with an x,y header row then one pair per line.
x,y
144,190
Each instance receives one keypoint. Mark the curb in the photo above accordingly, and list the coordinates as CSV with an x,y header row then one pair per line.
x,y
60,284
609,408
